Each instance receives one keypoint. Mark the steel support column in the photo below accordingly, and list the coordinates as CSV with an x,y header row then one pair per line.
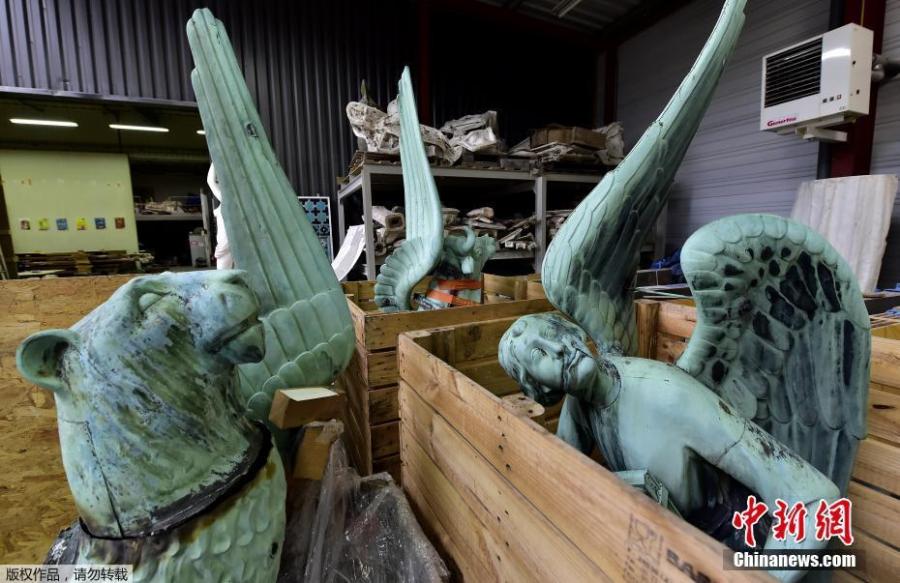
x,y
854,157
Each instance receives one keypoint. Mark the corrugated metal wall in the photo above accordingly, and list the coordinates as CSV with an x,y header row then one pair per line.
x,y
886,151
731,167
302,60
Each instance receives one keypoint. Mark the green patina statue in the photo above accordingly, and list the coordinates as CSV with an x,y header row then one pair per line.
x,y
456,260
160,389
456,281
769,397
167,472
309,333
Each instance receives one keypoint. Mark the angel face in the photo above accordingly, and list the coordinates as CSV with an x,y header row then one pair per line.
x,y
549,357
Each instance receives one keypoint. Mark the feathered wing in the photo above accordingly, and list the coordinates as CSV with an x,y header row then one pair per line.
x,y
309,333
782,334
421,251
591,263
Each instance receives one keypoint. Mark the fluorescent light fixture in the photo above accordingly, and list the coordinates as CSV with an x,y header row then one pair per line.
x,y
119,126
201,132
43,122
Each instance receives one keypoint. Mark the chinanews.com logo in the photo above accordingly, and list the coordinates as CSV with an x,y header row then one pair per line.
x,y
781,121
828,521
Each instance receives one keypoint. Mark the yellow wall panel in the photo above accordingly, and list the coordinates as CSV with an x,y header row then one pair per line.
x,y
43,187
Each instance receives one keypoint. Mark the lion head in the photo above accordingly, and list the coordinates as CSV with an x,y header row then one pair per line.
x,y
149,419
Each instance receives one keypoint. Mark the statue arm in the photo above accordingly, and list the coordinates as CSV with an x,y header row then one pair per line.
x,y
752,456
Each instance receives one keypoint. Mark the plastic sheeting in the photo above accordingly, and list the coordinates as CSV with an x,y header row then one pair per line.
x,y
854,214
348,529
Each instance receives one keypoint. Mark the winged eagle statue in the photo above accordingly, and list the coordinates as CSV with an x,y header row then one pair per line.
x,y
769,398
456,260
308,331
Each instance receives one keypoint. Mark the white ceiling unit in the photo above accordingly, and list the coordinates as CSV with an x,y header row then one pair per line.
x,y
818,83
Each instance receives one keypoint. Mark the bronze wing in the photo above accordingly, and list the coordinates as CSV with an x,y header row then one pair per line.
x,y
591,263
782,334
309,334
419,254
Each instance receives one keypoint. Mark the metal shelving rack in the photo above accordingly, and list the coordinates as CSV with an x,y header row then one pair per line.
x,y
371,176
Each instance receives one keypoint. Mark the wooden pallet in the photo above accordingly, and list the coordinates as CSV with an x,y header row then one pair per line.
x,y
371,378
506,500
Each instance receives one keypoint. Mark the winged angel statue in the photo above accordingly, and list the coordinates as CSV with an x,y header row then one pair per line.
x,y
456,260
768,398
308,331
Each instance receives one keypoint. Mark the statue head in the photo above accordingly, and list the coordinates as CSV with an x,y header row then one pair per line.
x,y
465,255
549,357
145,390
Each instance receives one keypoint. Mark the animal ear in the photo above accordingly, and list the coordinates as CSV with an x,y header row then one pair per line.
x,y
39,357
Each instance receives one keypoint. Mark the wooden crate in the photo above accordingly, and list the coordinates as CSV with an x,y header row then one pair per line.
x,y
370,380
510,287
35,503
506,500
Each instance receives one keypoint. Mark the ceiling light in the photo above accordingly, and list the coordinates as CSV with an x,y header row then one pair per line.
x,y
43,122
119,126
201,132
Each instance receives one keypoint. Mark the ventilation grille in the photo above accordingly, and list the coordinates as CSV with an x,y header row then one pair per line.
x,y
794,73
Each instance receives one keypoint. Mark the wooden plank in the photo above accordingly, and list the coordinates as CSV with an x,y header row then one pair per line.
x,y
385,439
462,537
381,330
381,368
676,319
527,535
383,406
876,513
488,373
619,529
314,450
524,405
668,347
882,562
357,436
292,408
535,291
878,464
358,316
891,331
391,464
512,287
647,316
884,414
886,362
